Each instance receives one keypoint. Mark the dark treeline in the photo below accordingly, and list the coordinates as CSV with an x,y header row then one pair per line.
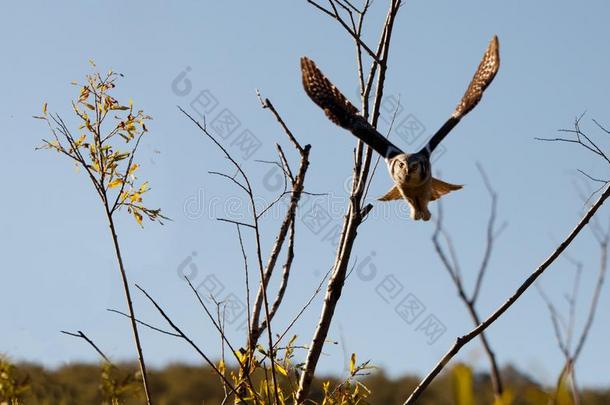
x,y
179,384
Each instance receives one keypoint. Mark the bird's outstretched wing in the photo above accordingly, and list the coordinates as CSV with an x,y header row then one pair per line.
x,y
340,111
489,66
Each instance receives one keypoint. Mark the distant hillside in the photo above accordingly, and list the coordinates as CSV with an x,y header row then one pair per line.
x,y
178,384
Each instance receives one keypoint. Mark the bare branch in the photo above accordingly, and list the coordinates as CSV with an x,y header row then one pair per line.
x,y
600,126
556,321
190,342
452,267
491,234
579,134
355,212
247,280
165,332
231,178
296,192
285,275
231,221
80,334
266,103
463,340
333,14
595,299
261,300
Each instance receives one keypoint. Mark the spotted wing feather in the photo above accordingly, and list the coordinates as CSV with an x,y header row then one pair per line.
x,y
322,92
487,70
340,111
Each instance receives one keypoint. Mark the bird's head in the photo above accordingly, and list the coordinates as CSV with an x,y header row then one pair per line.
x,y
410,170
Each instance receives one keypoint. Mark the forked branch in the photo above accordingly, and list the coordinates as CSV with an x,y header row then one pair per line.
x,y
357,210
587,217
449,259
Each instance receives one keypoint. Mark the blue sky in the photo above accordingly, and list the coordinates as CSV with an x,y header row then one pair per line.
x,y
58,270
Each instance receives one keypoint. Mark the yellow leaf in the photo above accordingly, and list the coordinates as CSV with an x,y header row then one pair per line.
x,y
44,108
89,106
133,168
352,363
463,385
115,183
135,197
143,188
138,217
80,140
240,356
84,93
221,366
281,369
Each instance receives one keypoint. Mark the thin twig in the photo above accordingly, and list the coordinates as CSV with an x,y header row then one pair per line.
x,y
80,334
189,341
349,30
239,223
453,268
165,332
285,274
257,238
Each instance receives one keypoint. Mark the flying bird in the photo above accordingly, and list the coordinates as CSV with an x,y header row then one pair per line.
x,y
411,172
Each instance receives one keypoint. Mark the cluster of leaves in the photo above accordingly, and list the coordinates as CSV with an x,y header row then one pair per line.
x,y
108,135
255,385
12,385
259,389
118,385
351,391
